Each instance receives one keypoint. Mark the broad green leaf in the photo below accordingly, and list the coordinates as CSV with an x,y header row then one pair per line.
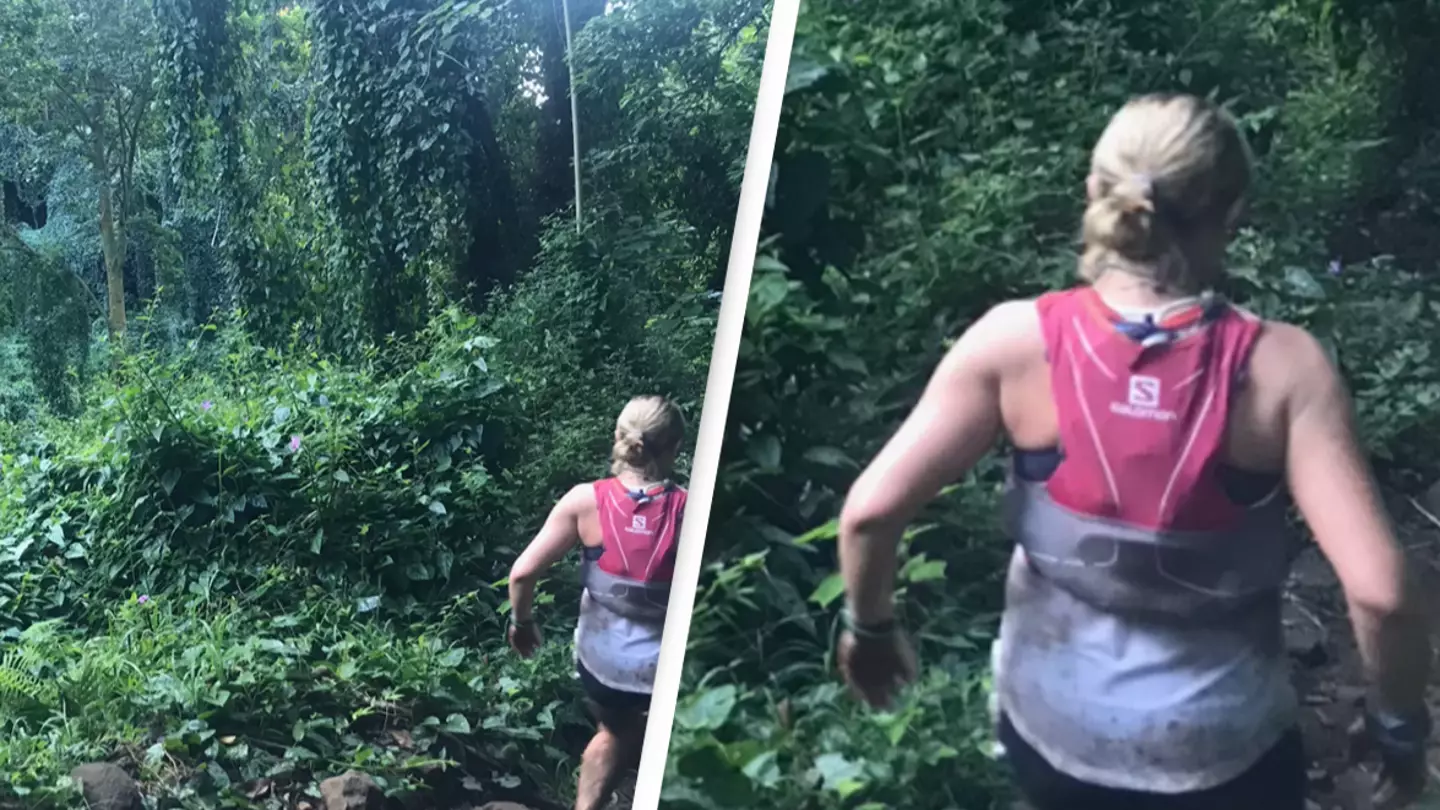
x,y
825,531
924,571
803,74
764,769
1302,282
838,773
709,709
765,452
830,457
830,588
169,479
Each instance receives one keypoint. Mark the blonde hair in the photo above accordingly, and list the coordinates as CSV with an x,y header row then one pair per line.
x,y
1166,175
647,436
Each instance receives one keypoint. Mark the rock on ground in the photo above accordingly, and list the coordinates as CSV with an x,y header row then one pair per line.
x,y
107,787
351,790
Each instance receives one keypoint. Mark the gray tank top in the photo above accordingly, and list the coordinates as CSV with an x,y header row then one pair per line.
x,y
621,624
1164,672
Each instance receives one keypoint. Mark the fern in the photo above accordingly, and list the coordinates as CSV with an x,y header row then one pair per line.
x,y
20,688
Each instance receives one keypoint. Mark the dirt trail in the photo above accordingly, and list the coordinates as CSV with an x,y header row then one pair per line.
x,y
1327,669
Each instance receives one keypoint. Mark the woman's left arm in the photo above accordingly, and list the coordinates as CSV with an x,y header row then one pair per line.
x,y
560,533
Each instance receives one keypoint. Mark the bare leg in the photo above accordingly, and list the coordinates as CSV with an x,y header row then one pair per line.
x,y
605,758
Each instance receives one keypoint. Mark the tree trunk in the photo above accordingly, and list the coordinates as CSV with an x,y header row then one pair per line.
x,y
498,239
555,188
112,244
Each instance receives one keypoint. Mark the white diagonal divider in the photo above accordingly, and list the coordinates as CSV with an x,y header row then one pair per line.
x,y
711,433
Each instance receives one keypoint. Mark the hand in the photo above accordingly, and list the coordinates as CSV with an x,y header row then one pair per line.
x,y
876,667
526,638
1404,767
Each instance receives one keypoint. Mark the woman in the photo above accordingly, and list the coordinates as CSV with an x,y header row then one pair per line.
x,y
627,526
1141,661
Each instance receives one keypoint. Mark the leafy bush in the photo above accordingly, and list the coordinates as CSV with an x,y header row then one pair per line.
x,y
210,697
314,540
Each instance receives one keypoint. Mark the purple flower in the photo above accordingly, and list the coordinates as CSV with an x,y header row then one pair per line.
x,y
295,443
206,405
143,598
1334,267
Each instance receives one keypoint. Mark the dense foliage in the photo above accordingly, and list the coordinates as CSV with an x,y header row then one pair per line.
x,y
930,164
299,341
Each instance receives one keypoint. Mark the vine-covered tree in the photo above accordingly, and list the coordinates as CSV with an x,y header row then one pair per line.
x,y
81,73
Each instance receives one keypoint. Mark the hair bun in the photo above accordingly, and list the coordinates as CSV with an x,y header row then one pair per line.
x,y
631,449
1137,191
647,436
1123,220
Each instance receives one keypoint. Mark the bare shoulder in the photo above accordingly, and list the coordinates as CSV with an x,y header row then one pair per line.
x,y
1004,341
578,501
1290,354
1016,319
1005,330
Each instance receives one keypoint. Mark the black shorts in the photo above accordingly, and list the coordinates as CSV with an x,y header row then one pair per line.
x,y
1276,782
615,708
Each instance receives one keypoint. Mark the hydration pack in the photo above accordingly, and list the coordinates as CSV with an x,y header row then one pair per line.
x,y
631,575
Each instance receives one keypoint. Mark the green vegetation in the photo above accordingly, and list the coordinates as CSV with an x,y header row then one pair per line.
x,y
299,341
930,164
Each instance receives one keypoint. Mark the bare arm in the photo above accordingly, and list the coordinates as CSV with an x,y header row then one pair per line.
x,y
956,421
1332,484
559,534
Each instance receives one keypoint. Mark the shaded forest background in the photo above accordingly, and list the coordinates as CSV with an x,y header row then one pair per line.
x,y
930,164
299,342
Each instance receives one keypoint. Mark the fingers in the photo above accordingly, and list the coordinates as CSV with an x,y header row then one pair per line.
x,y
1396,788
858,677
1400,786
1394,796
524,642
876,675
877,695
873,688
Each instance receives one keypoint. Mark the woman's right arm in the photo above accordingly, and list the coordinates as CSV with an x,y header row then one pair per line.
x,y
1331,482
559,534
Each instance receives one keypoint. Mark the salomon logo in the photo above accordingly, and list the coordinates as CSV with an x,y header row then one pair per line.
x,y
637,523
1144,401
1144,392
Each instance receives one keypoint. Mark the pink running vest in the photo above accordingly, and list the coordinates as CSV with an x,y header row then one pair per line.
x,y
1140,647
639,530
1142,427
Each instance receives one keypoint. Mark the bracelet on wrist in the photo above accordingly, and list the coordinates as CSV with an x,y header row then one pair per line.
x,y
519,623
1408,727
874,630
